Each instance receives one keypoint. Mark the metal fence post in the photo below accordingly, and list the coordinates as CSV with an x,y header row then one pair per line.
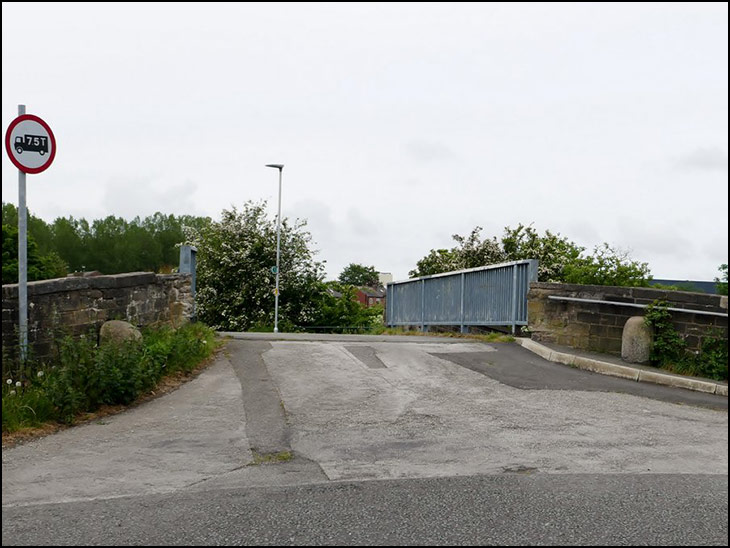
x,y
423,305
388,304
462,327
514,299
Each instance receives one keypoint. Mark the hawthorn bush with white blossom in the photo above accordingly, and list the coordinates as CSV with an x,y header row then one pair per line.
x,y
559,259
235,282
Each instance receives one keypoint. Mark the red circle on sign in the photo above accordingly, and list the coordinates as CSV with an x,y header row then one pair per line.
x,y
51,156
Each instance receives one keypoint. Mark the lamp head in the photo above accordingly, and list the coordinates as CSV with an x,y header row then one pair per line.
x,y
277,166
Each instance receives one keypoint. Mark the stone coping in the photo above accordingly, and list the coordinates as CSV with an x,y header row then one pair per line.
x,y
74,283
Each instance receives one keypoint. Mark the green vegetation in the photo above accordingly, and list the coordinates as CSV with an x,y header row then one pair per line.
x,y
235,279
721,283
676,287
342,313
607,266
84,376
40,266
271,458
560,260
491,337
234,271
359,275
670,351
111,245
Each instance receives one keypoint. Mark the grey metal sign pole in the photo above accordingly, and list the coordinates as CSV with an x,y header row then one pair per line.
x,y
22,261
27,134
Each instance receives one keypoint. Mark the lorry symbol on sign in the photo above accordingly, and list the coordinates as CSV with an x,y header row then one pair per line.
x,y
31,143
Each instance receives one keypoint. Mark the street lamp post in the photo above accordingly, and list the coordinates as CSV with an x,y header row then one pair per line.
x,y
280,167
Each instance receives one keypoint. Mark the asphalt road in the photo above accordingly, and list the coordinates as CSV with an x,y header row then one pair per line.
x,y
476,510
414,442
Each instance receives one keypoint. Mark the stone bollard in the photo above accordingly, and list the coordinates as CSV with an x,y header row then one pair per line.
x,y
118,331
636,341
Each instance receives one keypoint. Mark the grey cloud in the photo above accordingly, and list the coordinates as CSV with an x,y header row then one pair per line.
x,y
708,159
428,151
654,239
360,225
144,197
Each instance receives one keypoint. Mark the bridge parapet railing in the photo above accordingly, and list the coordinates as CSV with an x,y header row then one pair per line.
x,y
494,295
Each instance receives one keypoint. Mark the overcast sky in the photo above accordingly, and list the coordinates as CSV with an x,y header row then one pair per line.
x,y
398,124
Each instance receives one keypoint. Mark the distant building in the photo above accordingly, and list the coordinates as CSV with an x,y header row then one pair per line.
x,y
368,296
384,278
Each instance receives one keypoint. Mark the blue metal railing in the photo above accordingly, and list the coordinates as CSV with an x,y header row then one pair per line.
x,y
494,295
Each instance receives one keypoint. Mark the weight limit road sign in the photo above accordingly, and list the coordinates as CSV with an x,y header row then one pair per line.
x,y
30,144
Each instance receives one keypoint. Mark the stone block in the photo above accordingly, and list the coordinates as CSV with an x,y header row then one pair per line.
x,y
58,285
577,329
81,317
587,317
606,331
118,331
129,279
604,345
636,340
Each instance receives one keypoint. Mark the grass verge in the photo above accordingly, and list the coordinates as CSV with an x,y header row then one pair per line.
x,y
271,458
85,382
492,337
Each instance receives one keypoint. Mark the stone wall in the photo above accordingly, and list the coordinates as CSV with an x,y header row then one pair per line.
x,y
75,305
598,327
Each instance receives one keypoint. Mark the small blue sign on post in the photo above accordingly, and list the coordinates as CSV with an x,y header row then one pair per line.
x,y
187,266
274,270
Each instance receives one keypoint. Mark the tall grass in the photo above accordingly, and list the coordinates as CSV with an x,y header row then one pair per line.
x,y
84,376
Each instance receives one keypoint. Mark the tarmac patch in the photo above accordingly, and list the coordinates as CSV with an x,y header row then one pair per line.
x,y
367,355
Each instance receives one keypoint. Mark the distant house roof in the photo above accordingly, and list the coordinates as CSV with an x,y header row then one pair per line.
x,y
370,292
334,293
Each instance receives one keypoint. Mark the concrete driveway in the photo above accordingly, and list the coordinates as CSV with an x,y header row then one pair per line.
x,y
354,409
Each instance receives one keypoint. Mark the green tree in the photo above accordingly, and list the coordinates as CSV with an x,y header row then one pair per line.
x,y
168,233
437,261
234,271
69,240
40,267
359,275
559,259
552,251
110,245
471,252
37,228
343,311
607,266
721,283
